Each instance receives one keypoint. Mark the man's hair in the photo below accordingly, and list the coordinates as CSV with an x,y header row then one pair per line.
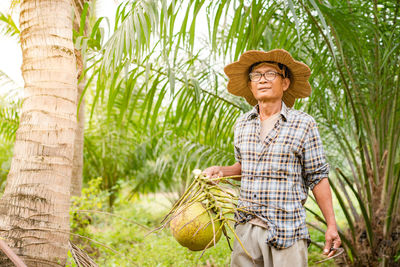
x,y
282,67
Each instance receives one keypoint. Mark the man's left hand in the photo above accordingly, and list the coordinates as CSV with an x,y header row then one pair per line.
x,y
332,241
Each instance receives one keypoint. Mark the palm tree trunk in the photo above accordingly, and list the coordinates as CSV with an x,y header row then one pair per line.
x,y
34,210
76,180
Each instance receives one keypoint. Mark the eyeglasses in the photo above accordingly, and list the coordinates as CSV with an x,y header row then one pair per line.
x,y
269,76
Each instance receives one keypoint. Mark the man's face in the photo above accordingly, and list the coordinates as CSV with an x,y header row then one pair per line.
x,y
268,91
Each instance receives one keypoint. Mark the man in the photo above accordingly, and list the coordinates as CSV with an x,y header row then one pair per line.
x,y
279,156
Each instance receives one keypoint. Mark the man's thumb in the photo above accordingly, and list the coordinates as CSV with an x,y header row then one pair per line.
x,y
328,245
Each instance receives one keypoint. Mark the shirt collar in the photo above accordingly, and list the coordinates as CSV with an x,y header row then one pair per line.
x,y
284,111
255,112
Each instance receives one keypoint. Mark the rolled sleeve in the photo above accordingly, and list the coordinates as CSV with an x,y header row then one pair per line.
x,y
315,167
238,156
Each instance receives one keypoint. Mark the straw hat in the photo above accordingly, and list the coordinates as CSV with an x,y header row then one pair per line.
x,y
238,74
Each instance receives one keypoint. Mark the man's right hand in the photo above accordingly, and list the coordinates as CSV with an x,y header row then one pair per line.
x,y
213,172
224,171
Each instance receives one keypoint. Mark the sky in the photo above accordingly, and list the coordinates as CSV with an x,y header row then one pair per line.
x,y
10,51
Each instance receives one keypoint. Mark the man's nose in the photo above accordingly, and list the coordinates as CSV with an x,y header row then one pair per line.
x,y
263,79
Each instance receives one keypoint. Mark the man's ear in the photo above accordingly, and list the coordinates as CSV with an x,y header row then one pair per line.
x,y
285,84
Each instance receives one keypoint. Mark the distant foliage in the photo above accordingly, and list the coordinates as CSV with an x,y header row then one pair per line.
x,y
83,209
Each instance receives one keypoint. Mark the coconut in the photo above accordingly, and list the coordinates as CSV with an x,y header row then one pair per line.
x,y
192,227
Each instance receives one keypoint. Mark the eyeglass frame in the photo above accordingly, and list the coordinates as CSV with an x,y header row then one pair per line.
x,y
263,75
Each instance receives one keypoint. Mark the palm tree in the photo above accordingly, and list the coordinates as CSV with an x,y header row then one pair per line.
x,y
81,25
361,113
172,90
34,208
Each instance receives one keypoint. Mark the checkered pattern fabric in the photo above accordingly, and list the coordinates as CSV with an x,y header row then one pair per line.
x,y
278,171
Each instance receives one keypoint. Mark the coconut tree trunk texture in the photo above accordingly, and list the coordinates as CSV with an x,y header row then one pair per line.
x,y
34,210
76,180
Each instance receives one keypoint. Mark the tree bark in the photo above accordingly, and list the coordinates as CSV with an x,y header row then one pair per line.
x,y
76,179
76,182
34,210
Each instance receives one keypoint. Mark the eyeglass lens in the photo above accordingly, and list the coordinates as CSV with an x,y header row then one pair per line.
x,y
269,76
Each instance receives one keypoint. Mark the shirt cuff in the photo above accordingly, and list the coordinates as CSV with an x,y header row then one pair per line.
x,y
316,179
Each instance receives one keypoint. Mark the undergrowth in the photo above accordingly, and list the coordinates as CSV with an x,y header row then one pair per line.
x,y
121,238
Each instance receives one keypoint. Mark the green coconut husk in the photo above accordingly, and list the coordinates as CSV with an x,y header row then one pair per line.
x,y
219,197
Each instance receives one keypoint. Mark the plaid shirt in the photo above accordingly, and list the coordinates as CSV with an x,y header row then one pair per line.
x,y
278,171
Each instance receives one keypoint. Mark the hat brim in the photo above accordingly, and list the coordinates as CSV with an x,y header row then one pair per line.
x,y
238,73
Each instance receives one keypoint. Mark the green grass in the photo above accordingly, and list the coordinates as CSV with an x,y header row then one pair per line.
x,y
133,247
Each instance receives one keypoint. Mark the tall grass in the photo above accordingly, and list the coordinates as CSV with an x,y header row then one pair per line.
x,y
125,231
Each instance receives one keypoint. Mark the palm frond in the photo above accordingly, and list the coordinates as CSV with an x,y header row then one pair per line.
x,y
7,26
9,122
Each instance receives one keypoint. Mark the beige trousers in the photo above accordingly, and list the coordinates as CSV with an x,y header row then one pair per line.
x,y
253,238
